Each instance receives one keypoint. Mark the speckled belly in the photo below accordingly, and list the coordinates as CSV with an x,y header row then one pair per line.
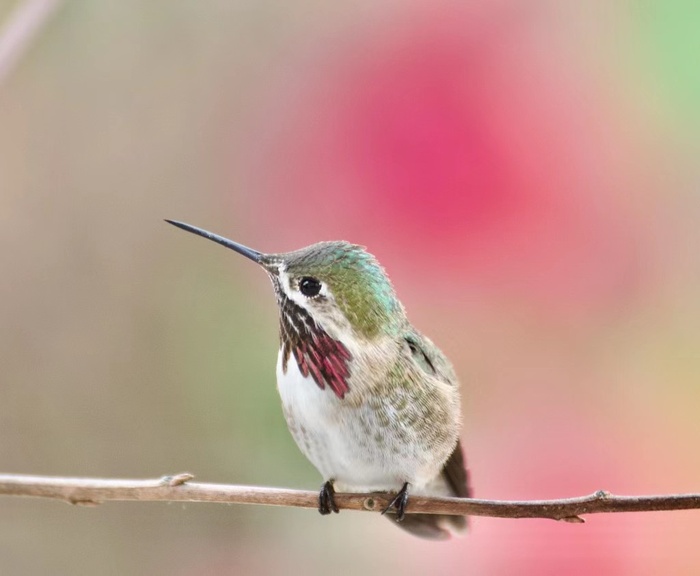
x,y
362,449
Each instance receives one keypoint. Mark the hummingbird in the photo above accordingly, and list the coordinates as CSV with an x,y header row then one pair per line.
x,y
370,401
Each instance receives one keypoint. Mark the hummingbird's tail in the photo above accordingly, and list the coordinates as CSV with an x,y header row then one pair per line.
x,y
453,481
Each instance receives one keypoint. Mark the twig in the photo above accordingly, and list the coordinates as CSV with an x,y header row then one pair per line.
x,y
19,30
178,488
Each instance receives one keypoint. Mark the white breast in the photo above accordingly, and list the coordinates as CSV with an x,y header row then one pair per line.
x,y
325,429
346,443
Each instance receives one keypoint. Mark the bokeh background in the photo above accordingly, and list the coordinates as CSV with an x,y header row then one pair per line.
x,y
527,172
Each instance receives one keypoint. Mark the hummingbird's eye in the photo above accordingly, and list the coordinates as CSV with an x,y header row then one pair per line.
x,y
309,286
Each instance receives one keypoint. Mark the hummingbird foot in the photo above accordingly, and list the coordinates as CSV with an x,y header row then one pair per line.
x,y
399,503
326,499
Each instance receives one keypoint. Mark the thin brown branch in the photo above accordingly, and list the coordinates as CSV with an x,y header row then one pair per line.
x,y
178,488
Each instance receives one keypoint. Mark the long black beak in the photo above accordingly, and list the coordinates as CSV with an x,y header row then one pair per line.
x,y
254,255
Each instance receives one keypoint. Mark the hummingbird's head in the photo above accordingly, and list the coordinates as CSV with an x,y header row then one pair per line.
x,y
339,285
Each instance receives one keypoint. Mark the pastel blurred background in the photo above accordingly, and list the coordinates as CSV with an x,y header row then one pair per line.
x,y
528,173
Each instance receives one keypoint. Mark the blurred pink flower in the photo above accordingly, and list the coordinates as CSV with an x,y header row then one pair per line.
x,y
458,147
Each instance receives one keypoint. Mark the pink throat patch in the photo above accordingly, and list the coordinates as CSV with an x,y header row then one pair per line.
x,y
318,355
326,361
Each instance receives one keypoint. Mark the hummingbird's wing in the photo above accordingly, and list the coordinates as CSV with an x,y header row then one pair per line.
x,y
453,480
430,359
456,473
